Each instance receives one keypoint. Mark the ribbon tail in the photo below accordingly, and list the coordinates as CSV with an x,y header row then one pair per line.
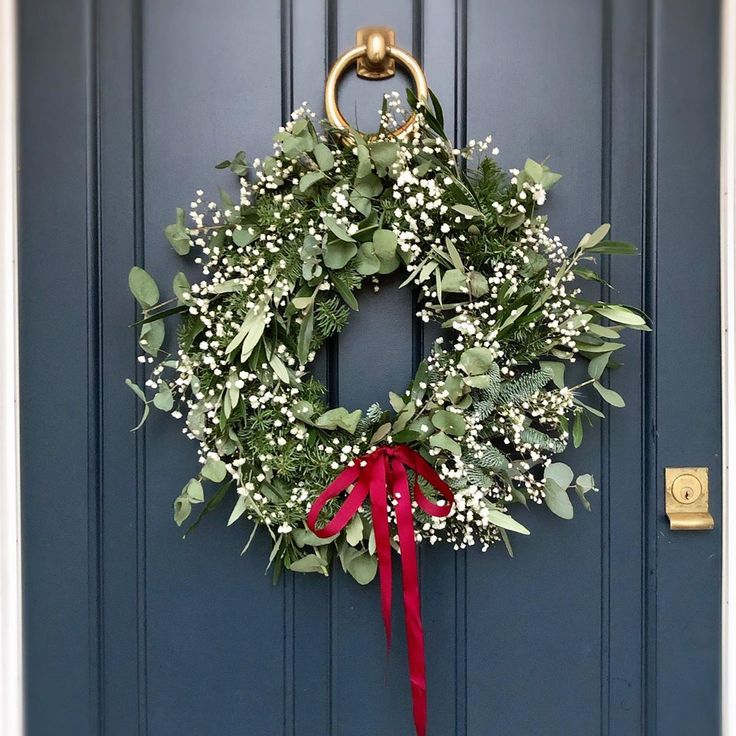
x,y
412,601
379,509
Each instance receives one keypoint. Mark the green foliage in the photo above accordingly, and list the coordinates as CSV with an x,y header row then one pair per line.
x,y
283,264
331,315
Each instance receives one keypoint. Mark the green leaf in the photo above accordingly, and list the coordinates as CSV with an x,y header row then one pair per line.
x,y
504,521
363,568
339,417
557,478
609,395
367,262
310,178
347,296
336,253
444,442
558,501
478,284
467,210
143,287
559,473
182,509
534,170
194,491
164,398
244,236
152,336
384,153
354,531
384,246
138,391
454,282
323,155
598,364
306,537
556,370
304,340
309,563
476,361
180,286
577,429
590,239
364,161
214,469
238,510
397,403
449,422
279,368
477,381
584,484
338,230
369,186
620,314
303,410
177,234
454,255
614,247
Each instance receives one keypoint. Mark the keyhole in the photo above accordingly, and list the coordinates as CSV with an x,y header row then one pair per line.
x,y
687,493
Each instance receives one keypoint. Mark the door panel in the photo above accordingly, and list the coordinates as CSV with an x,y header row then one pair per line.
x,y
597,625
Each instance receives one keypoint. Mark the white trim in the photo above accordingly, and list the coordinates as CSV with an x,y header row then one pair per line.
x,y
11,663
728,302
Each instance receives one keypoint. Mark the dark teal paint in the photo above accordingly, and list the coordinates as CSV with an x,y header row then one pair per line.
x,y
598,626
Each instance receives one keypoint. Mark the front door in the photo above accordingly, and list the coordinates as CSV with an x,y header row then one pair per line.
x,y
608,624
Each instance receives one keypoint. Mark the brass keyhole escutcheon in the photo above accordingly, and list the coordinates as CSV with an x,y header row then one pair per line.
x,y
686,498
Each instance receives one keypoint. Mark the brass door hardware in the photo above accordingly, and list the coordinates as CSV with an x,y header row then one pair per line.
x,y
686,498
376,64
375,54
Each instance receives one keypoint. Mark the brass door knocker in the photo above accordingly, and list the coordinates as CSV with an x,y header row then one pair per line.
x,y
375,53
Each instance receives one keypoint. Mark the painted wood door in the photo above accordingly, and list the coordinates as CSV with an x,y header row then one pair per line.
x,y
608,624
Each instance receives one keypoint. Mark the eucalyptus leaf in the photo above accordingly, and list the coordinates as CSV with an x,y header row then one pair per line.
x,y
476,361
310,178
336,253
363,568
504,521
384,153
177,234
609,395
309,563
340,417
449,422
214,469
324,157
143,287
444,442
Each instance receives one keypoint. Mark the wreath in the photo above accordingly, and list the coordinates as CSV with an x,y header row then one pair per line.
x,y
479,427
490,407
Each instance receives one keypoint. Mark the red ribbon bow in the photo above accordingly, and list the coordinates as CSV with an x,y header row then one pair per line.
x,y
380,474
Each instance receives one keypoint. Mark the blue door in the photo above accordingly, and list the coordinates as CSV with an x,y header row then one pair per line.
x,y
608,624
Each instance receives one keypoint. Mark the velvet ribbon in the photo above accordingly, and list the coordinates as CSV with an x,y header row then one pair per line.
x,y
382,475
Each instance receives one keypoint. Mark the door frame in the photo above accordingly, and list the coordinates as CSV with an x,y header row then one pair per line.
x,y
728,356
11,664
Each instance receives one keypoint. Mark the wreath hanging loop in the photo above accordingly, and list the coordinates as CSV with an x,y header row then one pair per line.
x,y
373,56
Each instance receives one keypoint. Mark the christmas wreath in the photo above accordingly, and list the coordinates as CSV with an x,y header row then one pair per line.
x,y
326,215
479,427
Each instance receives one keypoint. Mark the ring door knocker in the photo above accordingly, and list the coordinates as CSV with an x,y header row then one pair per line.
x,y
375,53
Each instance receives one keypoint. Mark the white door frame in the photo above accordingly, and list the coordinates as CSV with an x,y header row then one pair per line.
x,y
11,664
728,355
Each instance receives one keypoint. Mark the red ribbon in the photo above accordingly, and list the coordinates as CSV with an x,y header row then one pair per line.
x,y
382,474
